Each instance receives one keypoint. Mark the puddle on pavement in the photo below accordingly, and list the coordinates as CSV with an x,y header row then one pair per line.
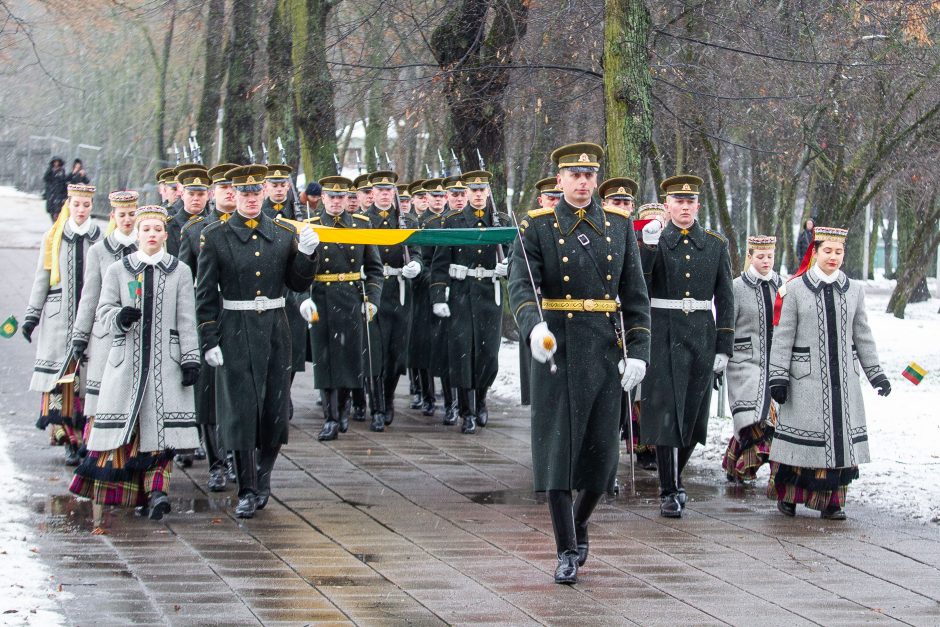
x,y
366,558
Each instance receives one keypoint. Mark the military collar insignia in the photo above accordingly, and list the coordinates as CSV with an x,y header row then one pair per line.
x,y
244,227
568,217
672,235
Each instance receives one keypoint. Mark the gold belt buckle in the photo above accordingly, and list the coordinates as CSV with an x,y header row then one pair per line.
x,y
590,304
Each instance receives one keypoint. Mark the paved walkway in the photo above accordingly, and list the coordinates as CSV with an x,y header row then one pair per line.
x,y
424,525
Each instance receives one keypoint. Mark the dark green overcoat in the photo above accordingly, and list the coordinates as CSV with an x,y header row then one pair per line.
x,y
476,319
253,385
576,411
678,386
338,338
419,342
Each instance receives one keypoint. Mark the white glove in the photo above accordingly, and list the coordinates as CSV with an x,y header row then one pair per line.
x,y
372,309
441,310
309,240
411,270
721,362
502,268
652,231
458,271
214,357
542,342
308,310
632,373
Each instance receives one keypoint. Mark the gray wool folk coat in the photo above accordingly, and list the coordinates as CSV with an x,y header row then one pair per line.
x,y
87,328
55,307
748,389
821,346
142,381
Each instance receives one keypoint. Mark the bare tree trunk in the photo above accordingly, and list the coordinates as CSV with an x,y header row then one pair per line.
x,y
214,75
627,86
163,66
721,204
917,239
279,102
240,119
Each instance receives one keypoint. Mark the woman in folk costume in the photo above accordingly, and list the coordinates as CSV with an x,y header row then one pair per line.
x,y
89,335
53,304
821,345
146,411
752,409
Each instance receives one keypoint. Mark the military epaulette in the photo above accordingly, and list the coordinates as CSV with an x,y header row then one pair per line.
x,y
724,240
452,213
360,216
618,211
436,216
211,227
192,221
286,226
535,213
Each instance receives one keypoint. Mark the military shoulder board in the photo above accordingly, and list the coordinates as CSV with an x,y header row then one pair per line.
x,y
191,222
360,216
721,237
287,227
535,213
618,211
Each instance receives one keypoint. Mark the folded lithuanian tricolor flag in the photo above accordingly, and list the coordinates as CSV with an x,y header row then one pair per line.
x,y
9,327
914,373
410,237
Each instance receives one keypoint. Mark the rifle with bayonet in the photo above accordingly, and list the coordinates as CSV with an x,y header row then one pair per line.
x,y
264,155
443,170
337,165
176,152
293,188
251,154
500,253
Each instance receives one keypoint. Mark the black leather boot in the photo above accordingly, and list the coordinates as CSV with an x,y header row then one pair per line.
x,y
230,467
359,404
342,411
217,479
215,457
667,466
414,388
266,459
469,425
330,424
483,414
566,546
685,453
246,467
450,406
583,508
158,505
378,413
389,385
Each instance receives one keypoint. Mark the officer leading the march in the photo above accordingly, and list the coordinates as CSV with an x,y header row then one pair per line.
x,y
687,267
584,262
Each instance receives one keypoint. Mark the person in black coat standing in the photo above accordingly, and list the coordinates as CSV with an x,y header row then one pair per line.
x,y
804,241
55,180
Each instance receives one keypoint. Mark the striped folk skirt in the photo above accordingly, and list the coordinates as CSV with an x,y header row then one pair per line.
x,y
817,488
749,450
124,476
61,412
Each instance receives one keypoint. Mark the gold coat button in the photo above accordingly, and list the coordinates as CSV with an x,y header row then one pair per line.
x,y
688,293
254,237
327,259
687,275
608,239
257,253
685,241
565,278
258,293
570,315
561,240
606,295
555,224
352,261
606,223
479,251
258,273
564,260
609,277
567,296
610,258
325,247
688,256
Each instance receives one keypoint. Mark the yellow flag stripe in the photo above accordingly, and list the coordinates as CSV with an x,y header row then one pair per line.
x,y
377,237
916,368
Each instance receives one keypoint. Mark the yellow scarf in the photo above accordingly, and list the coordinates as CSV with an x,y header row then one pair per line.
x,y
112,225
50,259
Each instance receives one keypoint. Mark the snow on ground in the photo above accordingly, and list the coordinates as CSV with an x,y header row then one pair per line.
x,y
26,593
904,428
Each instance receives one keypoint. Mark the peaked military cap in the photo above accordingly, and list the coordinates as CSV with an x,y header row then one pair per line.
x,y
186,166
383,178
162,173
219,174
335,185
417,187
580,157
194,178
123,199
403,190
619,187
548,186
434,186
278,172
681,185
478,179
361,183
247,178
454,183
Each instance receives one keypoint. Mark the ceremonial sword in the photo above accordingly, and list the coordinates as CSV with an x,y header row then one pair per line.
x,y
623,344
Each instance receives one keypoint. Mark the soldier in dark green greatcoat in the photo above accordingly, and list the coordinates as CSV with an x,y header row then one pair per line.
x,y
585,264
195,183
688,271
548,196
465,287
419,343
224,195
335,307
250,259
390,348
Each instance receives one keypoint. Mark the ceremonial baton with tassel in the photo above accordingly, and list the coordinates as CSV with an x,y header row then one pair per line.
x,y
547,344
623,345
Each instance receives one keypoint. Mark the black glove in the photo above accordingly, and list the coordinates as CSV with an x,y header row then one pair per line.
x,y
78,349
882,385
128,316
190,374
719,377
779,393
27,330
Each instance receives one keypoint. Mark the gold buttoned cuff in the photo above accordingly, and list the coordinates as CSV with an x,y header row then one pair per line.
x,y
587,304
